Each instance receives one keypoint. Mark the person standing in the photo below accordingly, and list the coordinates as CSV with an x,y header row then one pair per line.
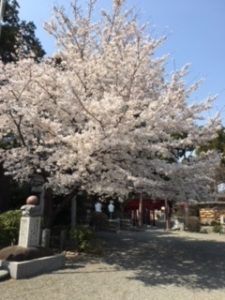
x,y
111,209
98,207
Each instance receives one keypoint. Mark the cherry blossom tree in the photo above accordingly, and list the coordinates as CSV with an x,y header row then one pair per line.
x,y
102,114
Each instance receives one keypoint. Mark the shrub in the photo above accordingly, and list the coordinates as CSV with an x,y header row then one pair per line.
x,y
9,227
217,227
83,236
193,224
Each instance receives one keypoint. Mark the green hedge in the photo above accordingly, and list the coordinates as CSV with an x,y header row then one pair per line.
x,y
83,236
9,227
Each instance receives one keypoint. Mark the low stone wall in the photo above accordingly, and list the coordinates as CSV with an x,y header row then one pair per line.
x,y
30,268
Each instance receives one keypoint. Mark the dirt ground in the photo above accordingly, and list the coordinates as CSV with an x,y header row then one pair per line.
x,y
147,265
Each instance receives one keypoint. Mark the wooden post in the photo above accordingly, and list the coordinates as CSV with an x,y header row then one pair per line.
x,y
73,212
186,214
42,200
62,239
167,212
45,238
140,211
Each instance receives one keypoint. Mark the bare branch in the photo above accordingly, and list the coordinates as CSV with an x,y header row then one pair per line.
x,y
84,108
18,127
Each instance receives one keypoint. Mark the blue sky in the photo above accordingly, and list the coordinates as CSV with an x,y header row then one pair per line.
x,y
195,31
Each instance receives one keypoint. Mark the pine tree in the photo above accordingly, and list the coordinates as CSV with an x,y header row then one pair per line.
x,y
17,33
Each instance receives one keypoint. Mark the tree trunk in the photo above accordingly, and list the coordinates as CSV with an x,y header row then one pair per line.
x,y
167,215
186,214
4,191
63,204
73,212
48,209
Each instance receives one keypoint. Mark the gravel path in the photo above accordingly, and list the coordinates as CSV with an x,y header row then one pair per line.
x,y
135,265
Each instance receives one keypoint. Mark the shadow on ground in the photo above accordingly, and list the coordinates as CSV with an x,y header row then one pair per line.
x,y
158,258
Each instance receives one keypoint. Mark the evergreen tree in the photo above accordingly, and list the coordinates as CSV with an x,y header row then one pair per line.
x,y
218,144
16,34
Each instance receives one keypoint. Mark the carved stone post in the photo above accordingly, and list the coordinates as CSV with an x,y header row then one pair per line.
x,y
30,223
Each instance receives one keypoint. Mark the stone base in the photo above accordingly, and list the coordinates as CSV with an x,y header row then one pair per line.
x,y
18,253
4,274
34,267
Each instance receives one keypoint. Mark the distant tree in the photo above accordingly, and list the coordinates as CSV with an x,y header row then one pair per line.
x,y
16,34
218,143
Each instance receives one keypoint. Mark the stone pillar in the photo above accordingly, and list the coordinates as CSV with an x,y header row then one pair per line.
x,y
30,223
